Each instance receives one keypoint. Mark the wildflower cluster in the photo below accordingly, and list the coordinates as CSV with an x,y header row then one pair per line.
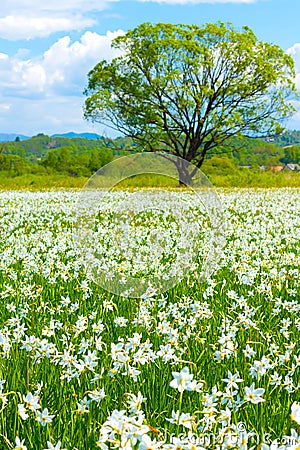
x,y
211,363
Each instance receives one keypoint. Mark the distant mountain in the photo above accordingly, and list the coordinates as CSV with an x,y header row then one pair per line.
x,y
37,147
6,137
71,134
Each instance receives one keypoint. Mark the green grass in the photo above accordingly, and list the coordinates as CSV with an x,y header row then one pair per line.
x,y
243,178
37,182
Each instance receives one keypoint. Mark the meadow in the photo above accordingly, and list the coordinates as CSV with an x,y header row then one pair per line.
x,y
227,178
211,363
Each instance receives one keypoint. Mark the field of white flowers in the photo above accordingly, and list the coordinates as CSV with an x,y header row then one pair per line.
x,y
211,364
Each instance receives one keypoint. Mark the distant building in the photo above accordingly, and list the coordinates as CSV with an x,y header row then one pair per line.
x,y
272,168
276,168
291,166
52,144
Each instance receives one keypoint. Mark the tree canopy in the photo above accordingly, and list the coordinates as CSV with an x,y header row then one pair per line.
x,y
187,89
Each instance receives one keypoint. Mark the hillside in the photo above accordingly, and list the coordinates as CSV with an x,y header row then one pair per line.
x,y
75,155
44,154
6,137
37,147
71,134
287,138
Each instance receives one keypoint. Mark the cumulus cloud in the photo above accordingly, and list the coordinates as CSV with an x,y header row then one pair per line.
x,y
14,28
28,19
62,68
13,6
67,64
294,52
48,89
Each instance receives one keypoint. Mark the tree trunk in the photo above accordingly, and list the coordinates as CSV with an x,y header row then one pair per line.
x,y
184,175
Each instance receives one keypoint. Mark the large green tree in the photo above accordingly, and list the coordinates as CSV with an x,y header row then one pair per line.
x,y
291,154
188,89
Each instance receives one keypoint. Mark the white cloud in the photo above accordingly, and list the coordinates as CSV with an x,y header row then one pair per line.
x,y
20,27
61,69
28,19
195,2
50,6
4,106
67,64
46,92
294,52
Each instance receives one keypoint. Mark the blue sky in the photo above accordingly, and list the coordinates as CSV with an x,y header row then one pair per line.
x,y
48,47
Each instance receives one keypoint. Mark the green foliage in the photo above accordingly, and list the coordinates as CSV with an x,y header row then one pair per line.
x,y
187,89
252,152
219,165
287,138
220,177
262,155
66,159
291,154
42,154
37,147
70,165
14,164
251,178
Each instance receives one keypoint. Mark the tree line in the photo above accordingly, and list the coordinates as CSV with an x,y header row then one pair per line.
x,y
83,157
42,154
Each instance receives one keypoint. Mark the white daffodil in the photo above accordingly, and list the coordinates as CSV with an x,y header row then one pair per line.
x,y
295,412
182,380
54,447
254,395
43,417
19,444
31,402
22,411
